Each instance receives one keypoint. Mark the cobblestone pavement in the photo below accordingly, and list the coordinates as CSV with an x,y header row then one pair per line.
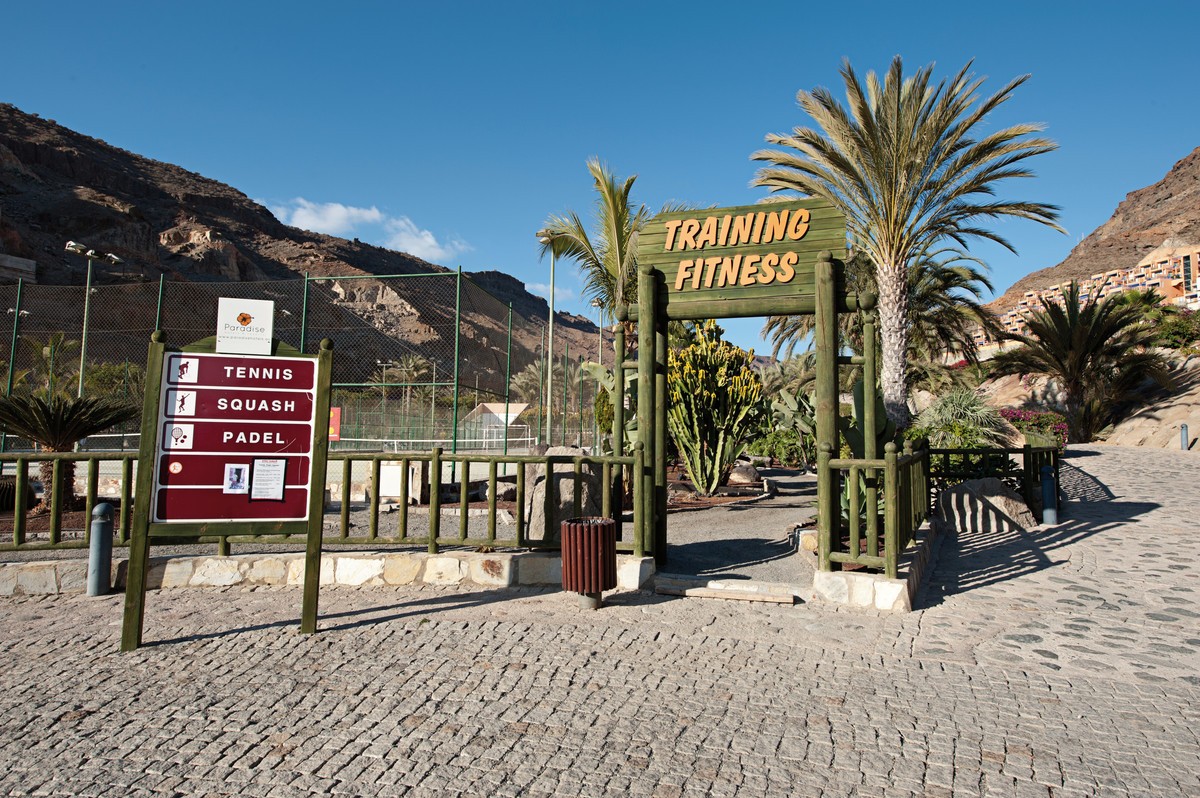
x,y
1057,663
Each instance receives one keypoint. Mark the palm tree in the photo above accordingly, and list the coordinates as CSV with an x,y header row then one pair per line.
x,y
606,258
1098,353
410,369
945,294
57,424
908,165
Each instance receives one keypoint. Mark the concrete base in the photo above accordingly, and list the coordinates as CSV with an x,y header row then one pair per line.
x,y
731,589
875,591
493,570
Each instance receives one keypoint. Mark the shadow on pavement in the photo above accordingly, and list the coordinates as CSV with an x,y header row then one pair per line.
x,y
975,560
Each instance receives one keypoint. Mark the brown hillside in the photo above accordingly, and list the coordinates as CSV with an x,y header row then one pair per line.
x,y
58,185
1145,220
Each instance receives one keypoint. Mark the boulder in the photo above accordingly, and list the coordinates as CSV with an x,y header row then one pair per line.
x,y
744,474
564,482
983,505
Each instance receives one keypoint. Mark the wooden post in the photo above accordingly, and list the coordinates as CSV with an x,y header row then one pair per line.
x,y
891,511
647,314
435,498
139,543
870,444
660,437
826,401
316,495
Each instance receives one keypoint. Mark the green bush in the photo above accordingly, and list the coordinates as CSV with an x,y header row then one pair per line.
x,y
788,446
1179,330
960,420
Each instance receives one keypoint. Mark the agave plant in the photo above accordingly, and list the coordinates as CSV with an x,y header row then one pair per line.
x,y
56,424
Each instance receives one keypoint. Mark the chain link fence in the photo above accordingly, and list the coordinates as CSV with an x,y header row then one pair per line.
x,y
419,360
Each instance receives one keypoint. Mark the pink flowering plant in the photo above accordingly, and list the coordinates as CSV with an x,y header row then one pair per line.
x,y
1043,423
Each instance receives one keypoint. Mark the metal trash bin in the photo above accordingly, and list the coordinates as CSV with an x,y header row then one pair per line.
x,y
589,558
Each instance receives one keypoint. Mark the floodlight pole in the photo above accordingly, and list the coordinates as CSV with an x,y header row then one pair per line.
x,y
544,237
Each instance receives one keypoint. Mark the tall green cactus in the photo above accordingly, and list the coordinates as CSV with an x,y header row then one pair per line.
x,y
714,398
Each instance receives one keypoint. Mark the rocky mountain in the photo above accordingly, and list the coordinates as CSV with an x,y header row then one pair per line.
x,y
1147,219
58,185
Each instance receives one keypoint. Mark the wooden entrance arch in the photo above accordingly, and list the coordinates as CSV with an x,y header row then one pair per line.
x,y
761,260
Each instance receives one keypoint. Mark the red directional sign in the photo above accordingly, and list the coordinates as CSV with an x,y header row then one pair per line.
x,y
235,438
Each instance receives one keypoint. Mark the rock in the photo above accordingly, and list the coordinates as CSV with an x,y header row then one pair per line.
x,y
744,474
983,505
564,492
505,491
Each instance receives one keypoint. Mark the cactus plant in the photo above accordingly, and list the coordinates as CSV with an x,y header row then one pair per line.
x,y
852,428
714,399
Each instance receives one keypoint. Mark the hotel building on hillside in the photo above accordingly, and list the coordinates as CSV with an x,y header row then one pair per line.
x,y
1171,270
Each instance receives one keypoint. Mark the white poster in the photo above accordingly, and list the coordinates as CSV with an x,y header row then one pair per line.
x,y
268,478
245,326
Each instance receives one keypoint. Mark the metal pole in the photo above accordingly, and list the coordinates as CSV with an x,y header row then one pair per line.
x,y
1049,497
581,403
99,571
507,383
433,405
162,282
566,390
550,361
12,357
87,301
304,313
457,341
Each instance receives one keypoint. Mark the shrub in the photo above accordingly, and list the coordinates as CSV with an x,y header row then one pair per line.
x,y
960,420
791,448
1180,330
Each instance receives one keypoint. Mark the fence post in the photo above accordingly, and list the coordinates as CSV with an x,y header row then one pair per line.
x,y
639,511
891,511
435,498
1183,437
99,572
826,521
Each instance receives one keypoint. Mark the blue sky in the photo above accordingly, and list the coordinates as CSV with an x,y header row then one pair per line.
x,y
452,130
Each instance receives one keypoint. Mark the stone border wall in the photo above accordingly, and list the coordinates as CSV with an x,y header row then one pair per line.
x,y
875,591
517,569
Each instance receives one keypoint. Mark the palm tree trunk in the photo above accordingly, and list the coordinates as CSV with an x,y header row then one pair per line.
x,y
893,330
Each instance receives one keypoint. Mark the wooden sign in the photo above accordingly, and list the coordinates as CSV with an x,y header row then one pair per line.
x,y
230,445
226,424
753,260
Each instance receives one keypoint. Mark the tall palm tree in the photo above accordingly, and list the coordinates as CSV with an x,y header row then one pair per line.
x,y
56,424
408,370
909,165
1098,353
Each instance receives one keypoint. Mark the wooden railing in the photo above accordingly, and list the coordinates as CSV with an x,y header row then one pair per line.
x,y
433,538
18,465
894,488
949,467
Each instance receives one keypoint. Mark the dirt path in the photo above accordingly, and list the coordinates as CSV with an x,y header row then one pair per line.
x,y
746,541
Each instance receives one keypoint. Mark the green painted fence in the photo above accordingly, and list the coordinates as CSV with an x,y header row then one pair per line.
x,y
446,526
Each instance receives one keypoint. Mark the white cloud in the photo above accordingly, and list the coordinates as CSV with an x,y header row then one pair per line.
x,y
405,236
333,218
369,224
561,294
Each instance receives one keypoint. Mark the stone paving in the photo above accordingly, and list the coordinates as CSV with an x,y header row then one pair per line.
x,y
1062,662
